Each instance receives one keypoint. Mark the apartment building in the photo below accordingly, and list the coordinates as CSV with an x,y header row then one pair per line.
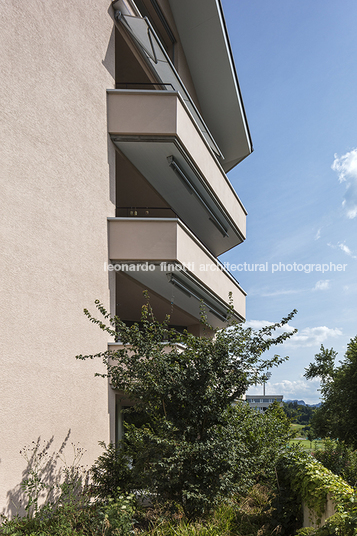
x,y
262,402
119,124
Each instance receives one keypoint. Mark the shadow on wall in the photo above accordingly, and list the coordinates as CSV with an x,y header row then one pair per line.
x,y
109,59
45,473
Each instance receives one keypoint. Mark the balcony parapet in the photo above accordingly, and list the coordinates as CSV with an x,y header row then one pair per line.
x,y
165,256
157,133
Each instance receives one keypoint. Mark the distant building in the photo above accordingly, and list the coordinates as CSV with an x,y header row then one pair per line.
x,y
262,402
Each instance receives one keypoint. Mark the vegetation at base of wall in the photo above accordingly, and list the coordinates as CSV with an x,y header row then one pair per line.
x,y
99,508
61,503
243,515
76,508
113,517
307,480
186,443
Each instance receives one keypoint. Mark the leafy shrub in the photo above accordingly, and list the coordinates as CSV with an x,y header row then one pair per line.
x,y
111,518
340,459
187,448
112,472
306,480
244,449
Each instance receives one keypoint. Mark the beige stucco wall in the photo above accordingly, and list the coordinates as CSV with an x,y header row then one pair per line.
x,y
310,518
57,172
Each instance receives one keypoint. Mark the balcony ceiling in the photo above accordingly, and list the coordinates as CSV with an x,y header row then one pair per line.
x,y
150,158
204,38
152,127
162,248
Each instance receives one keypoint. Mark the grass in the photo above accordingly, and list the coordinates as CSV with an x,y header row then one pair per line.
x,y
297,426
310,446
246,516
300,439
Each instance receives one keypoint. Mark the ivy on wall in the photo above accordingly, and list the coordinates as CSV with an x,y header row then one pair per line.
x,y
312,484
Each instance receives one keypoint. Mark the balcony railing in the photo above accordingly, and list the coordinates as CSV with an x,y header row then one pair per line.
x,y
144,85
151,48
158,135
165,257
145,212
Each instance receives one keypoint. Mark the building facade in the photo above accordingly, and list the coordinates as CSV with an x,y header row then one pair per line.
x,y
119,124
262,402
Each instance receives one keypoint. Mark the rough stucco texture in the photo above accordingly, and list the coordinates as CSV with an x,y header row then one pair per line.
x,y
56,173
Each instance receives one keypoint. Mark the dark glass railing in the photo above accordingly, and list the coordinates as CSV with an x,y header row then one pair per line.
x,y
144,85
145,212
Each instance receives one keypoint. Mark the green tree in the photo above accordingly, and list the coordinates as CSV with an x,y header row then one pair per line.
x,y
187,447
298,413
337,415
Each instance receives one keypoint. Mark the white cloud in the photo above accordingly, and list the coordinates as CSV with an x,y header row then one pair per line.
x,y
318,234
299,389
342,246
346,250
303,338
258,324
281,293
346,168
313,336
323,284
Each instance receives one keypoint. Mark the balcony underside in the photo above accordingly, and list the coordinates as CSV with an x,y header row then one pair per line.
x,y
163,256
154,130
204,38
130,298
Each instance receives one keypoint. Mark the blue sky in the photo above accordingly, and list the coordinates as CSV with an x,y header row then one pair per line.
x,y
296,64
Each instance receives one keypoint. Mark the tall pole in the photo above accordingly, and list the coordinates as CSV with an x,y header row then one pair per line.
x,y
266,378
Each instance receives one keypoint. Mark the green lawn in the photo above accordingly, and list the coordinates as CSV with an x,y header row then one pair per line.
x,y
297,426
300,439
317,444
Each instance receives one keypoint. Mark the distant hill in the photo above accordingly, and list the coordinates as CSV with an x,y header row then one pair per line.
x,y
302,403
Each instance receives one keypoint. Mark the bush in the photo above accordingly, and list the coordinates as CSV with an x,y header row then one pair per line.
x,y
236,455
340,459
61,503
188,447
112,472
303,479
111,518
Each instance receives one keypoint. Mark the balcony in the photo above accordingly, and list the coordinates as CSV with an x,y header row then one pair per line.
x,y
163,256
158,134
204,39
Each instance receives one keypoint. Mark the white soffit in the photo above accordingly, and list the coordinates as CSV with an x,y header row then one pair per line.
x,y
204,38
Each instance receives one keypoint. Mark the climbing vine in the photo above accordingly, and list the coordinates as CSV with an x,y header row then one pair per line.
x,y
313,484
